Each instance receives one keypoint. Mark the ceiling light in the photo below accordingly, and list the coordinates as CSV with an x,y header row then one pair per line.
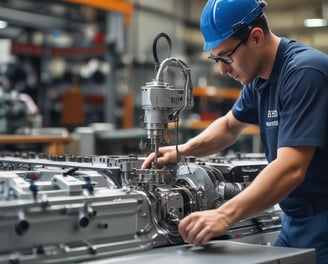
x,y
315,22
3,24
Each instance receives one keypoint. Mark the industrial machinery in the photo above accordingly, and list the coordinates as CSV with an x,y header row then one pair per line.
x,y
69,209
161,102
18,111
66,209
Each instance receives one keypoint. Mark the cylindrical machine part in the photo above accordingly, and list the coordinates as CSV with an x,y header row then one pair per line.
x,y
83,220
21,225
227,190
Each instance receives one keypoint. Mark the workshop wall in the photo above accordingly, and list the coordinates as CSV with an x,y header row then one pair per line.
x,y
102,56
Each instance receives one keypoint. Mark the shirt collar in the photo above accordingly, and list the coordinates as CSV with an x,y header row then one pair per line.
x,y
277,65
279,60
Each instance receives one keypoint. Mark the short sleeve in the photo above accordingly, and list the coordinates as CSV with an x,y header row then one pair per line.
x,y
245,108
303,117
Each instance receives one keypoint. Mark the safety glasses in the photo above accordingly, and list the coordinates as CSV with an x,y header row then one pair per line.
x,y
227,58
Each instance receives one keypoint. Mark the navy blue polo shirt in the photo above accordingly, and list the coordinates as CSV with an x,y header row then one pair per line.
x,y
291,109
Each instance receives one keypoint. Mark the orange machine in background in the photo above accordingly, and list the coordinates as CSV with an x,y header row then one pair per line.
x,y
72,107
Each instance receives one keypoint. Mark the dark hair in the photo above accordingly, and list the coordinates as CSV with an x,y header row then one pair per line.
x,y
260,22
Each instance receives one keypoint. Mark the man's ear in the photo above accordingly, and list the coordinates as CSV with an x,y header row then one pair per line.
x,y
256,35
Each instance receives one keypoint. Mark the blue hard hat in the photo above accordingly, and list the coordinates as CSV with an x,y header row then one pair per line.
x,y
220,19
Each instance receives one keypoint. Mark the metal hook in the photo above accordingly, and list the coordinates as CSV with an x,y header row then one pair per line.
x,y
155,54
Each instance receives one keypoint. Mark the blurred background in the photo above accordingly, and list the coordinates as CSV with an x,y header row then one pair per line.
x,y
72,70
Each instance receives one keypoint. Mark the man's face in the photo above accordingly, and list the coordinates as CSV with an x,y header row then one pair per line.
x,y
238,59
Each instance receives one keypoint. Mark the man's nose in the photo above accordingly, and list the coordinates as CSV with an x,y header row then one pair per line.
x,y
224,68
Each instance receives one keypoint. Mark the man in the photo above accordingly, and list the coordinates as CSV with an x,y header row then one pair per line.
x,y
285,93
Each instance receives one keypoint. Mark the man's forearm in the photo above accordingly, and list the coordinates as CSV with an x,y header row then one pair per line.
x,y
216,137
271,186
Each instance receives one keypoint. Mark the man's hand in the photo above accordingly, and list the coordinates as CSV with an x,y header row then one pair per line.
x,y
165,155
199,227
